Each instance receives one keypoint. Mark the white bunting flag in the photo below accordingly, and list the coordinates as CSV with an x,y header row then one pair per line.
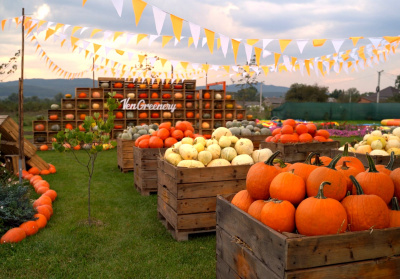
x,y
266,42
84,29
328,69
204,41
301,44
55,38
266,53
337,44
345,67
286,62
48,24
224,44
174,63
375,41
66,26
159,18
249,49
336,67
195,31
85,44
107,34
107,49
130,55
152,38
195,66
235,68
118,4
152,60
214,67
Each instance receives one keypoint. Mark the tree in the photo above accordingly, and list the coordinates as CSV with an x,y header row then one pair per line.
x,y
9,68
397,83
96,134
57,98
335,93
306,93
350,95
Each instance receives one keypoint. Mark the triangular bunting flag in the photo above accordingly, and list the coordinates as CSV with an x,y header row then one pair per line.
x,y
96,47
218,43
118,4
120,52
3,23
76,28
301,44
84,29
152,38
163,60
195,31
159,17
307,65
206,67
204,41
224,44
210,39
226,67
248,49
283,44
258,51
117,34
375,41
140,37
355,40
74,40
58,26
165,40
252,42
391,39
235,48
49,32
266,42
337,44
177,24
318,42
190,41
138,7
83,3
276,58
94,32
184,65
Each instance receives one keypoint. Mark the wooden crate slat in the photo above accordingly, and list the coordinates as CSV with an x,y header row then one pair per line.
x,y
236,255
168,213
146,174
147,164
145,186
224,271
36,161
378,159
167,197
208,189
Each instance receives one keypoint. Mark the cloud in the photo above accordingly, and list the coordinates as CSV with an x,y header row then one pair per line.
x,y
42,12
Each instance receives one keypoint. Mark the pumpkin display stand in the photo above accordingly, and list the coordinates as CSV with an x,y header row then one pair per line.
x,y
187,196
378,159
246,248
125,154
298,152
10,147
145,169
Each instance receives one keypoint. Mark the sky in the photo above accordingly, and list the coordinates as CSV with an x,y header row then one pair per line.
x,y
240,20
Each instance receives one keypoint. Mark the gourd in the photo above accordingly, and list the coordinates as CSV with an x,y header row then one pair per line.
x,y
244,146
224,141
53,117
69,106
187,140
261,155
222,131
130,114
190,164
69,117
39,117
326,215
218,163
228,153
68,96
54,106
365,211
242,200
242,159
82,106
279,215
188,152
215,150
39,127
55,127
13,235
205,157
82,95
96,94
126,135
394,214
131,95
200,140
104,84
255,209
379,152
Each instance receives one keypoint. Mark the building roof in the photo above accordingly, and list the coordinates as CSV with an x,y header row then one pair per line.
x,y
383,94
274,100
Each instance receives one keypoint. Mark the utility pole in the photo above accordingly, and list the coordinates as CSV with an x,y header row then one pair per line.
x,y
260,95
21,154
378,87
206,76
93,73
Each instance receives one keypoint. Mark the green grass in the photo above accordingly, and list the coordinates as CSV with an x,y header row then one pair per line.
x,y
343,140
132,243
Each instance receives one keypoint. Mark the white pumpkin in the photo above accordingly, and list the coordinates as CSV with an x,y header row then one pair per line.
x,y
228,153
131,95
224,141
215,150
173,158
188,152
379,152
376,133
374,138
169,151
190,164
395,150
393,137
218,163
199,147
205,157
218,96
366,137
199,140
364,149
396,132
244,146
376,144
233,139
187,140
221,131
261,155
176,146
126,135
242,159
392,143
211,141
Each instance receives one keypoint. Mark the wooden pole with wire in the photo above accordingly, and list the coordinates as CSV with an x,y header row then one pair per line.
x,y
93,74
21,159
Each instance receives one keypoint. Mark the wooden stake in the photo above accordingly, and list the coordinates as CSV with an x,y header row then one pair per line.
x,y
21,159
93,72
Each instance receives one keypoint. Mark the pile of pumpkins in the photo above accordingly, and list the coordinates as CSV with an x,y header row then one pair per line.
x,y
222,149
292,132
134,132
377,143
247,128
166,135
314,199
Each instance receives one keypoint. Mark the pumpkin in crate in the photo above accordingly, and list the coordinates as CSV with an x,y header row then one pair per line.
x,y
189,97
178,86
69,126
143,95
69,106
53,117
69,116
83,106
118,85
206,115
119,115
81,128
352,161
207,105
54,106
217,124
68,96
131,95
179,105
178,115
229,106
118,126
131,85
154,95
218,105
142,86
189,114
239,116
278,215
55,127
155,115
205,125
167,114
166,96
167,86
218,115
242,200
95,106
82,95
394,214
118,96
229,115
143,115
206,95
189,104
320,215
82,116
178,95
155,86
96,94
39,127
228,97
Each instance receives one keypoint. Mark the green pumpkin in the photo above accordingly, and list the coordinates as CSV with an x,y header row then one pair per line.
x,y
39,117
83,106
206,115
217,124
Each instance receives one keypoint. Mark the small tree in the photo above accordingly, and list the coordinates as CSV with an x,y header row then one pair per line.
x,y
96,134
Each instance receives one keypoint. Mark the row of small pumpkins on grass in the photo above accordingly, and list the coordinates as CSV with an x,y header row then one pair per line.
x,y
223,149
291,132
43,206
311,198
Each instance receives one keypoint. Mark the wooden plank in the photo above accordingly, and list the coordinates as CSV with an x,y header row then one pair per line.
x,y
146,174
36,161
8,129
267,244
307,252
209,189
197,221
382,268
191,206
168,213
12,163
224,271
166,180
378,159
167,197
238,257
145,164
145,186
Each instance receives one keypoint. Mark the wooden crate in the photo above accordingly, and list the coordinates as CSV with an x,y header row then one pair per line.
x,y
256,139
187,196
145,169
125,154
298,152
378,159
246,248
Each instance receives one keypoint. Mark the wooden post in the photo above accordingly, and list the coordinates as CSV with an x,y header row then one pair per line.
x,y
93,73
21,103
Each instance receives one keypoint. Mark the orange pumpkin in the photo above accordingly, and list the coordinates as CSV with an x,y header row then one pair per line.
x,y
179,105
205,125
229,115
154,95
189,97
69,126
13,235
167,114
30,227
96,94
130,85
143,115
39,127
207,95
228,97
119,115
82,95
167,86
82,116
118,126
143,95
118,85
242,200
279,215
155,115
189,104
178,95
166,96
239,116
44,147
154,86
189,114
53,117
156,142
255,209
218,116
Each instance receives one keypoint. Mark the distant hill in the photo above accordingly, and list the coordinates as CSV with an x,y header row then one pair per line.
x,y
47,88
44,88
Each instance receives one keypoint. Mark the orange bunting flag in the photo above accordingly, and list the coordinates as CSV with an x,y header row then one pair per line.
x,y
265,69
210,35
96,57
184,64
276,57
49,32
37,48
3,23
74,40
246,68
94,32
283,44
163,60
355,40
307,65
62,42
138,8
205,67
117,34
165,40
321,67
73,49
87,52
107,60
140,37
120,52
177,24
258,52
218,43
226,67
235,47
76,28
190,41
58,26
294,60
41,22
30,30
83,3
141,58
252,41
391,39
318,42
96,47
17,21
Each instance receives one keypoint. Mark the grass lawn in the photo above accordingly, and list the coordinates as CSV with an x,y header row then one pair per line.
x,y
132,243
344,140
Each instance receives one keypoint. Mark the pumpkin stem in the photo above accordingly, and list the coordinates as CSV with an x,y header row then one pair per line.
x,y
270,161
345,166
371,164
395,204
389,166
320,194
275,200
309,157
346,149
317,161
357,185
281,163
334,161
